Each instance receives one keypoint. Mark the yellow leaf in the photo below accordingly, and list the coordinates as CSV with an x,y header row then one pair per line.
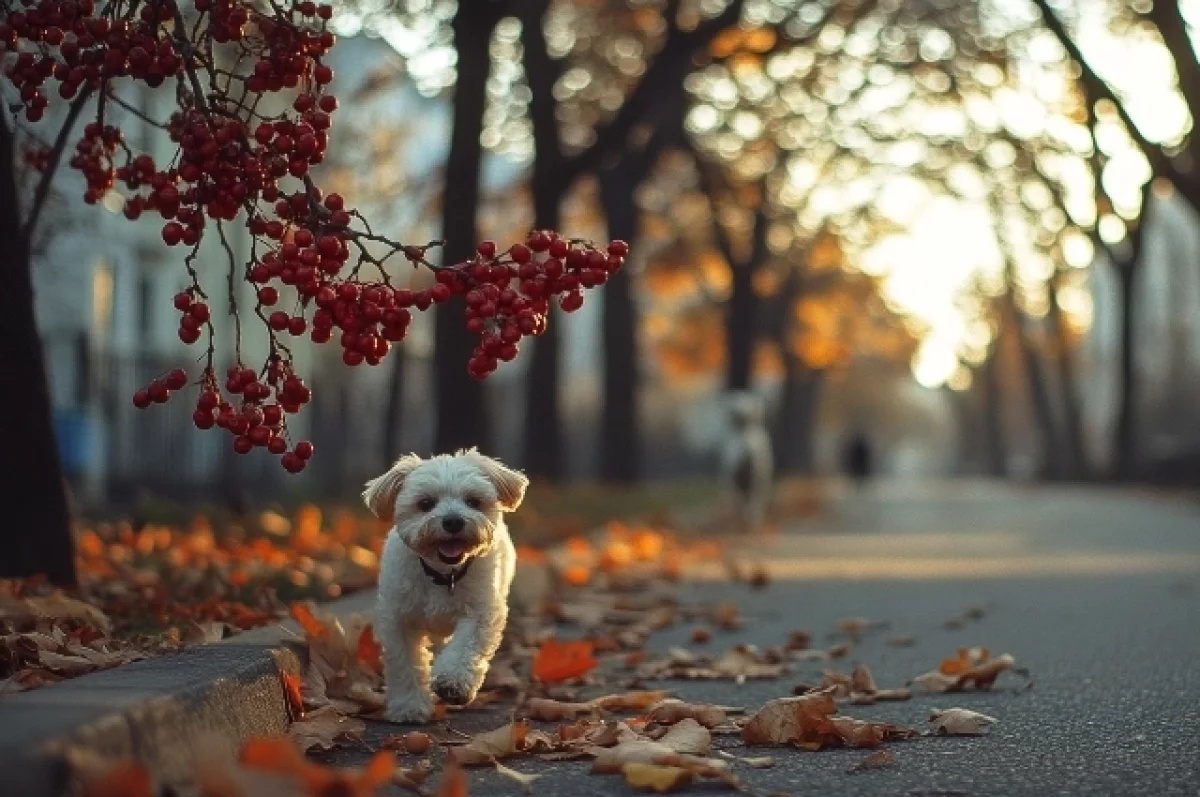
x,y
651,777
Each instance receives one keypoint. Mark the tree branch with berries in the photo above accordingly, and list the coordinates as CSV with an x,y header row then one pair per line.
x,y
318,269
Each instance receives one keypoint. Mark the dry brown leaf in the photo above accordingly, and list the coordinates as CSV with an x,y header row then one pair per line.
x,y
725,616
854,627
522,779
413,778
688,736
880,759
839,651
491,746
67,665
324,728
960,722
540,708
861,680
902,640
55,607
453,782
798,640
809,722
502,676
670,711
644,751
630,701
652,777
971,667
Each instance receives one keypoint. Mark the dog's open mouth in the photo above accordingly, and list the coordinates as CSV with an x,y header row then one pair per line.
x,y
452,551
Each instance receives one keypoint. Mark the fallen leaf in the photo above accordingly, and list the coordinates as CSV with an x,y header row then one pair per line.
x,y
324,728
292,685
652,777
970,667
369,653
413,778
861,680
725,616
854,627
880,759
902,640
562,661
671,711
960,722
688,736
630,701
453,782
522,779
798,640
123,778
809,722
539,708
491,746
701,636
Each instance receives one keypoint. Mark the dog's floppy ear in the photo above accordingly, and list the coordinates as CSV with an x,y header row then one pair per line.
x,y
510,484
380,494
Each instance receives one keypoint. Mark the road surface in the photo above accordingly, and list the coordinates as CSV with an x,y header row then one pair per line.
x,y
1097,593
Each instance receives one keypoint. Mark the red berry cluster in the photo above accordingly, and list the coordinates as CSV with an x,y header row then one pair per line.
x,y
235,162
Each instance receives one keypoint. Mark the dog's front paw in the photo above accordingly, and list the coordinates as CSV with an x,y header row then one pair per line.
x,y
456,688
409,709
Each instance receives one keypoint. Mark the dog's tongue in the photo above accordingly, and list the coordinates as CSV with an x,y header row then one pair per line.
x,y
452,549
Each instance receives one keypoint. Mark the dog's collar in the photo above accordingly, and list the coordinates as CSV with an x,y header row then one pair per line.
x,y
447,580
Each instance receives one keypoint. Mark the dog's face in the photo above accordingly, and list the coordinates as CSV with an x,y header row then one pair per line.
x,y
446,508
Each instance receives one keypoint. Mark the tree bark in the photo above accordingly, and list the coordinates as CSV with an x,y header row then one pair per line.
x,y
35,535
1068,378
1039,387
993,413
1125,450
543,416
393,418
620,453
796,429
462,419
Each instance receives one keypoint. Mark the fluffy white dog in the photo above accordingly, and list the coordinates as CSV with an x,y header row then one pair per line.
x,y
447,567
747,468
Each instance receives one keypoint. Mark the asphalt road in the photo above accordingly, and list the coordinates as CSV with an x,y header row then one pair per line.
x,y
1098,594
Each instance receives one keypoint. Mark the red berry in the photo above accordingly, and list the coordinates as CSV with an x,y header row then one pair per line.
x,y
278,320
199,311
487,249
520,253
183,301
172,233
176,379
141,399
571,301
618,248
242,444
304,449
203,419
292,463
439,293
277,445
268,295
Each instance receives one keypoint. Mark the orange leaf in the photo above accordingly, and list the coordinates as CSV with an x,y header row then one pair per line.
x,y
291,692
379,770
561,661
577,575
303,614
125,778
453,782
273,754
369,653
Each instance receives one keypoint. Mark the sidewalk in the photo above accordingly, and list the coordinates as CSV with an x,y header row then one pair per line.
x,y
154,710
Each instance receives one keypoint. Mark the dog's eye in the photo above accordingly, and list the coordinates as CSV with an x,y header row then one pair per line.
x,y
474,502
426,504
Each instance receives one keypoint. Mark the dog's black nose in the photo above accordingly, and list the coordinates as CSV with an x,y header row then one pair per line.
x,y
453,524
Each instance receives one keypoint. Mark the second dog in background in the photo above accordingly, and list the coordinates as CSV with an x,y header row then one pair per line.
x,y
747,464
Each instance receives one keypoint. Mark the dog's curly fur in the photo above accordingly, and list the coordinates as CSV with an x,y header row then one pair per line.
x,y
447,511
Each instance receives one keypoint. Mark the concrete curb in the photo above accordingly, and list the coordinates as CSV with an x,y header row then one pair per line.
x,y
154,710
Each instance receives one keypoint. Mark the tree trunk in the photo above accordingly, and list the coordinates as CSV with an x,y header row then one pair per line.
x,y
35,534
1072,408
993,413
543,416
741,326
461,412
1125,449
393,418
1043,403
620,453
796,430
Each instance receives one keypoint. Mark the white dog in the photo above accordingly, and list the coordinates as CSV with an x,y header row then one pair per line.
x,y
447,566
746,459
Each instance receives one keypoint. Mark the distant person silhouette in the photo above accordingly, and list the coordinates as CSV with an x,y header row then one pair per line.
x,y
857,460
